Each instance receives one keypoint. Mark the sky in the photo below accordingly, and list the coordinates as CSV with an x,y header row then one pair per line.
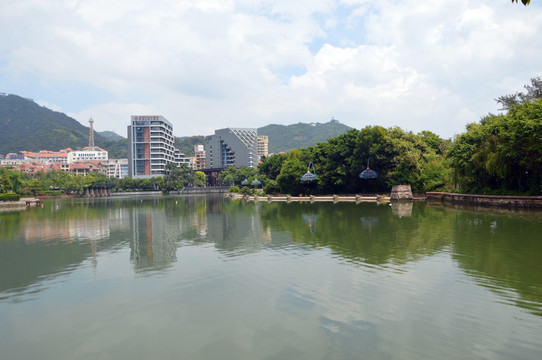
x,y
210,64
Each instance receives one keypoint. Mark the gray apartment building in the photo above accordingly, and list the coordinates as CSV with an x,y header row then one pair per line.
x,y
232,147
150,146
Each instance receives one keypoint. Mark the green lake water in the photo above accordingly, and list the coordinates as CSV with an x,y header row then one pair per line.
x,y
204,277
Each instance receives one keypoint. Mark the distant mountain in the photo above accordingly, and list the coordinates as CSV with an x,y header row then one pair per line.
x,y
26,125
110,135
300,135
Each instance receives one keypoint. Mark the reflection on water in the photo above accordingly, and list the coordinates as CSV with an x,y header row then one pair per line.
x,y
402,208
386,280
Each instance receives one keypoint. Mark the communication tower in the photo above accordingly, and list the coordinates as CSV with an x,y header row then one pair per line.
x,y
91,134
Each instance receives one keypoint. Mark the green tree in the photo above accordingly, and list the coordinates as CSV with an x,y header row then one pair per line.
x,y
336,165
272,165
5,181
35,185
502,153
199,178
236,176
289,179
534,92
177,177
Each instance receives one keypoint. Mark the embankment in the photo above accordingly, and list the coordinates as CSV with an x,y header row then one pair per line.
x,y
509,201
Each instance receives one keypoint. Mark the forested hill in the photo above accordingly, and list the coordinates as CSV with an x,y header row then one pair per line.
x,y
287,137
26,125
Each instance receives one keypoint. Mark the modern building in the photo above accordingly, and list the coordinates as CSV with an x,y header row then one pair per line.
x,y
88,153
85,167
199,157
263,145
117,168
150,146
232,147
181,159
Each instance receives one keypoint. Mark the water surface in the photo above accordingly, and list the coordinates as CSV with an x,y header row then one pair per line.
x,y
201,277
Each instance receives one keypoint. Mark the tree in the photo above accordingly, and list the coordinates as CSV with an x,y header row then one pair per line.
x,y
502,153
525,2
271,165
289,179
336,163
235,176
199,178
35,185
177,177
534,91
5,182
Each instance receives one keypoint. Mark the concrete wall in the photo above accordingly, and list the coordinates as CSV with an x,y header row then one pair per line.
x,y
487,200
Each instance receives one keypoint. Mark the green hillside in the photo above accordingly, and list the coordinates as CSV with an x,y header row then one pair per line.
x,y
284,138
110,135
28,126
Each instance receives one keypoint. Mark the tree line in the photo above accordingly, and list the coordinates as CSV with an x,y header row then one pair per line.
x,y
58,182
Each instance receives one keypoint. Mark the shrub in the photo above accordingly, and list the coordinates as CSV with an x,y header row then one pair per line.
x,y
235,189
246,191
10,197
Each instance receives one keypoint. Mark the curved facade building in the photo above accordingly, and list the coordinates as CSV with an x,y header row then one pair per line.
x,y
236,147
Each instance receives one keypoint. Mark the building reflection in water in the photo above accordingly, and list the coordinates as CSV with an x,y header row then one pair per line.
x,y
237,233
402,208
154,239
311,220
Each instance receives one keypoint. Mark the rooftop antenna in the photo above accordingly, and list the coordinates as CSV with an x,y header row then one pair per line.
x,y
91,134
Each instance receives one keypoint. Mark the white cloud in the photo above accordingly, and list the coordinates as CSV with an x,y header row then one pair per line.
x,y
210,64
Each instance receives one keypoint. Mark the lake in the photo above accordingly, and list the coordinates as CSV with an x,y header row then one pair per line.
x,y
205,277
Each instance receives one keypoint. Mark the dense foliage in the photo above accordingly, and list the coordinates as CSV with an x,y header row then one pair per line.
x,y
501,154
400,157
60,182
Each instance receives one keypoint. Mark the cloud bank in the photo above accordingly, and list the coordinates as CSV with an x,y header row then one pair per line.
x,y
209,64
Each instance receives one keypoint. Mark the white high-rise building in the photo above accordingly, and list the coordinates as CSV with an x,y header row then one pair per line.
x,y
150,141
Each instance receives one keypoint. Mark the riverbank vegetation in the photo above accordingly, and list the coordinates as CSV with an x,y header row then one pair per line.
x,y
500,154
58,182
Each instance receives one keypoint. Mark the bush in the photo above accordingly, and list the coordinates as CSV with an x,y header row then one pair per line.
x,y
246,191
235,189
271,187
10,197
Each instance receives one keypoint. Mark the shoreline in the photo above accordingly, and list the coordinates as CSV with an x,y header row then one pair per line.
x,y
495,201
503,201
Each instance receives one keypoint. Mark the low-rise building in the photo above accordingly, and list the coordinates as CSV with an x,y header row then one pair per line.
x,y
117,168
181,159
88,153
85,167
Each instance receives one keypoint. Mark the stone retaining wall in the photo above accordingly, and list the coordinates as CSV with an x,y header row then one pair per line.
x,y
487,200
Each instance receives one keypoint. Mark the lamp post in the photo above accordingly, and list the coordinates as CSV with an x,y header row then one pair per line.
x,y
368,173
309,176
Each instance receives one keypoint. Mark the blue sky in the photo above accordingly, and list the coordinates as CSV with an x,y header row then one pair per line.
x,y
209,64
